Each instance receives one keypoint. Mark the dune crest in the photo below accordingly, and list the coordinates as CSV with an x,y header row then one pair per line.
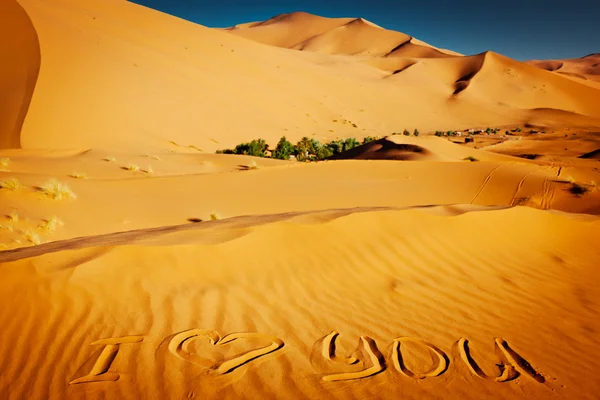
x,y
349,36
585,68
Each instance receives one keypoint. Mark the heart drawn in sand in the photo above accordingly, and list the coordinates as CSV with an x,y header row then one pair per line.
x,y
180,343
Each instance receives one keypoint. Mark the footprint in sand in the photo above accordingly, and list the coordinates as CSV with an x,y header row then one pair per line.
x,y
178,346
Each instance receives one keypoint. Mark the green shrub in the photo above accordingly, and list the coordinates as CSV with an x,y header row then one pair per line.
x,y
416,132
406,132
369,139
256,148
350,143
439,134
284,149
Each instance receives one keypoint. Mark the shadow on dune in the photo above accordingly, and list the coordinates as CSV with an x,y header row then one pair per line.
x,y
19,69
594,155
384,149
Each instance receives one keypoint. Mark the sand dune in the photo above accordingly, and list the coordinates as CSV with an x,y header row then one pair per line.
x,y
132,199
137,264
216,86
423,290
20,52
585,68
350,36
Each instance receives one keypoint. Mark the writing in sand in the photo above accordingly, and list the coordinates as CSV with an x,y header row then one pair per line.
x,y
367,354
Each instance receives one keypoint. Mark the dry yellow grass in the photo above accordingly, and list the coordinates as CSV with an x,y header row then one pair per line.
x,y
109,159
149,170
215,216
4,162
51,224
133,167
31,236
11,184
4,227
57,190
13,216
78,175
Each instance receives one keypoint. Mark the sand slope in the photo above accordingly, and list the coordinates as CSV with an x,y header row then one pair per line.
x,y
350,36
586,68
183,187
299,281
410,267
128,82
20,55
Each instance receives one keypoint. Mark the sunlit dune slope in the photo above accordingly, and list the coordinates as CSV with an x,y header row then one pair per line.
x,y
587,67
116,74
192,187
19,67
350,36
380,279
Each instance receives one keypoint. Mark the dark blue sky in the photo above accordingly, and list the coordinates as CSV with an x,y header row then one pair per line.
x,y
521,29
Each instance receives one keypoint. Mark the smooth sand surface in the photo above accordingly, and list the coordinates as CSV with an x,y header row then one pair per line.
x,y
410,267
136,77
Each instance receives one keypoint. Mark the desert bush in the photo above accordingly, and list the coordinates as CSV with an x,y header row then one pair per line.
x,y
13,216
406,132
470,158
215,216
11,184
252,165
132,167
369,139
416,132
78,175
57,190
284,149
50,224
439,134
256,148
450,133
31,236
4,161
323,152
6,228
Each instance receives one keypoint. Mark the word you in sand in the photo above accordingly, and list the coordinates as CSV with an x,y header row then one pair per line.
x,y
511,364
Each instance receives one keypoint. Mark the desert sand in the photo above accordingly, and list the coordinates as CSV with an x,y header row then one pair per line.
x,y
135,263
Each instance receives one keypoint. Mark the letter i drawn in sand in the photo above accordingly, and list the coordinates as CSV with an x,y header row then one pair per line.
x,y
100,371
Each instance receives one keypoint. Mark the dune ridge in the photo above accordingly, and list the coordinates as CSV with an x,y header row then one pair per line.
x,y
350,36
585,68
